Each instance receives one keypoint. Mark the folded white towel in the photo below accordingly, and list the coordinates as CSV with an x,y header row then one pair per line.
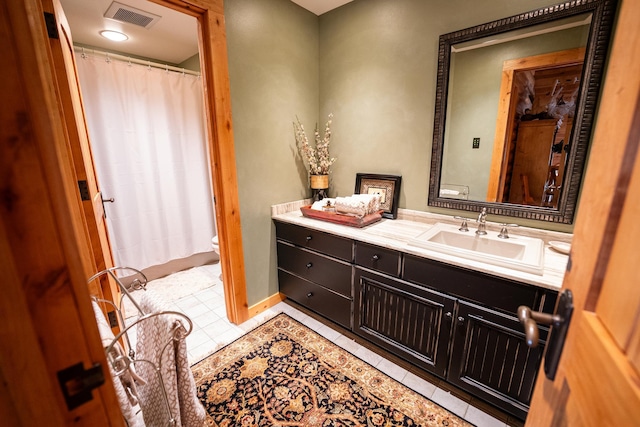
x,y
358,205
372,201
320,204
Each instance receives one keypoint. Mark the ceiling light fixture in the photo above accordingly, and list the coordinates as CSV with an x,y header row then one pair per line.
x,y
114,35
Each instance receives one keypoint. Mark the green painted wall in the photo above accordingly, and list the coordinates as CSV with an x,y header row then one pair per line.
x,y
372,63
273,67
378,62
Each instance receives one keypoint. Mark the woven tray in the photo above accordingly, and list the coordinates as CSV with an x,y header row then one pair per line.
x,y
341,219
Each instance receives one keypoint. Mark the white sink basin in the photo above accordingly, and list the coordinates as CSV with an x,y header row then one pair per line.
x,y
517,252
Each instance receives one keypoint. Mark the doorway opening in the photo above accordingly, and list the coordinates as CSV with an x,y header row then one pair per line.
x,y
218,135
538,97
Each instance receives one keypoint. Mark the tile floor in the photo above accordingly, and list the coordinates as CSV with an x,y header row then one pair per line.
x,y
212,331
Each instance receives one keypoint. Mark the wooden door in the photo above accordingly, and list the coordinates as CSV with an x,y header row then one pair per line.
x,y
598,381
533,158
533,150
46,320
73,110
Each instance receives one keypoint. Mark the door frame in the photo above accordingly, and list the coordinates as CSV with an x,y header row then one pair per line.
x,y
214,70
507,107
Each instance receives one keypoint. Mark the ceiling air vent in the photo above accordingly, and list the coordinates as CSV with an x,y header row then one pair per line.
x,y
131,15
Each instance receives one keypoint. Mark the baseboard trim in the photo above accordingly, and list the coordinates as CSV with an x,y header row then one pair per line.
x,y
266,304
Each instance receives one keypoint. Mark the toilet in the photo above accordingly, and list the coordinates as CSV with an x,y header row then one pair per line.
x,y
216,248
214,244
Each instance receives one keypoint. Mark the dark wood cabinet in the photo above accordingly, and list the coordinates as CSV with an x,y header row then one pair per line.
x,y
456,323
324,243
329,272
378,259
315,270
333,306
488,355
495,292
489,358
409,321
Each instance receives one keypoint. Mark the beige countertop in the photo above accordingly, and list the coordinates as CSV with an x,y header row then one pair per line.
x,y
395,234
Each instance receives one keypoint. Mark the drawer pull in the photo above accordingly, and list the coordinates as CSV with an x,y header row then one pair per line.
x,y
449,314
375,257
309,238
310,294
309,265
460,319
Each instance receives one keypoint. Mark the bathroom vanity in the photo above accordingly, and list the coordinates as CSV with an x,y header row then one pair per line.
x,y
452,317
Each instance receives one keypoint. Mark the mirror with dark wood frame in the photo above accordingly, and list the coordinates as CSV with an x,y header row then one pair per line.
x,y
515,104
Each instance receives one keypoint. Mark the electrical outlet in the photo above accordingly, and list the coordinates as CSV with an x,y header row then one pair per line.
x,y
476,142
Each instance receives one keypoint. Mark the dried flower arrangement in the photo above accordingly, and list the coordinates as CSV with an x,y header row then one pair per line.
x,y
318,159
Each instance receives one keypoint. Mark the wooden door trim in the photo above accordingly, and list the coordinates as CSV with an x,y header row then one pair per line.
x,y
506,109
215,74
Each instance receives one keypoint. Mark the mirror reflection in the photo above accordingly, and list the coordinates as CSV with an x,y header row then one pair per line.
x,y
515,101
511,103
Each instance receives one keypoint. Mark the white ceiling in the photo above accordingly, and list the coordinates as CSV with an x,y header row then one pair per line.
x,y
320,6
172,39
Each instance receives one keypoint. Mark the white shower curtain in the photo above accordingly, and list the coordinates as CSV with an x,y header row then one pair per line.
x,y
148,140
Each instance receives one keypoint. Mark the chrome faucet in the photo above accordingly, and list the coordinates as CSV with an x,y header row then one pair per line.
x,y
482,222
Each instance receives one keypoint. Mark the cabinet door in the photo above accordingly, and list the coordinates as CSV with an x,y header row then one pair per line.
x,y
491,360
409,321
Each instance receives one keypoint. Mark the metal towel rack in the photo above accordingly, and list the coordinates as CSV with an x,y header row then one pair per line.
x,y
121,363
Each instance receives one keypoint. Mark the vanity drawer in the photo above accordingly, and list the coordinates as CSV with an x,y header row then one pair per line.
x,y
317,268
323,301
329,244
378,259
471,285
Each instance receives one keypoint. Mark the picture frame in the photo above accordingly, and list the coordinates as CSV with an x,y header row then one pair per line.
x,y
388,186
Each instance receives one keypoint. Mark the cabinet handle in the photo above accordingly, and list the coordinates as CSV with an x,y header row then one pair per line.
x,y
460,319
310,294
309,238
375,257
449,314
309,265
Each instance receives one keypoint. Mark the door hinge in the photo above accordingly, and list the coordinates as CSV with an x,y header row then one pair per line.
x,y
84,190
52,25
113,319
76,383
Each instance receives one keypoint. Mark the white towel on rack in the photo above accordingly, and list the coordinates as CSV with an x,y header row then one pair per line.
x,y
156,343
123,384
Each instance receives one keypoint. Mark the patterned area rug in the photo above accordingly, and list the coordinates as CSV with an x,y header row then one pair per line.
x,y
284,374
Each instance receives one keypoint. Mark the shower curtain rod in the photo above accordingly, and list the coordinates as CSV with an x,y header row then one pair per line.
x,y
108,56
